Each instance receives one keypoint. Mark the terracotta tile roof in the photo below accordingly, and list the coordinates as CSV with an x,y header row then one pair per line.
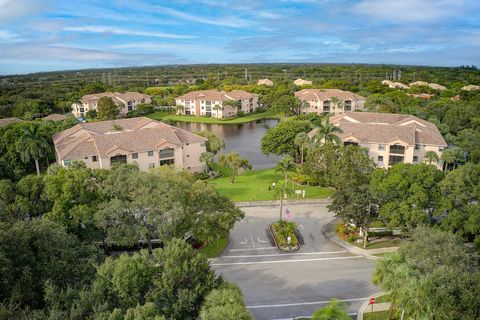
x,y
301,82
116,96
471,87
374,127
326,94
216,95
137,135
265,81
7,121
55,117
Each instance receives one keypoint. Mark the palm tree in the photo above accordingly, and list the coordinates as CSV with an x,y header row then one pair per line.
x,y
32,145
280,191
452,155
217,107
327,133
337,102
207,157
301,140
179,108
430,157
285,165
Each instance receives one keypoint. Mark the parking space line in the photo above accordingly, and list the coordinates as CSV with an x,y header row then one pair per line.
x,y
285,261
300,303
284,254
262,248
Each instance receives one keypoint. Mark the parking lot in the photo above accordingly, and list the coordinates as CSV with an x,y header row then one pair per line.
x,y
284,285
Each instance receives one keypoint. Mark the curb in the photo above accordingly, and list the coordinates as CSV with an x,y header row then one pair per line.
x,y
365,304
270,228
277,202
328,232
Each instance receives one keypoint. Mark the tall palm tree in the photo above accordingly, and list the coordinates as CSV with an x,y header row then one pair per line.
x,y
301,141
217,107
32,145
452,155
284,166
430,157
327,132
280,191
337,102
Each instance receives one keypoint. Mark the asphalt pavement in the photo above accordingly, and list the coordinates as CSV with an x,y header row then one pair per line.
x,y
280,285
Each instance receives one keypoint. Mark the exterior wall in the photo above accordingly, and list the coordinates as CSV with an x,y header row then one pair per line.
x,y
374,151
79,110
186,157
199,107
317,106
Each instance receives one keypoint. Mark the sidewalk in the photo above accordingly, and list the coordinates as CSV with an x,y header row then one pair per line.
x,y
285,202
330,234
366,308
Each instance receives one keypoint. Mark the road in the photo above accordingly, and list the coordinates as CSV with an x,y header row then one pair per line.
x,y
282,286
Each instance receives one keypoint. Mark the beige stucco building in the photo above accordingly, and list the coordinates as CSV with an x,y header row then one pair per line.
x,y
322,101
126,101
265,82
211,103
301,82
143,141
390,138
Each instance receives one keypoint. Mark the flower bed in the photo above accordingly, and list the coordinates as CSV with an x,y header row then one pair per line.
x,y
281,231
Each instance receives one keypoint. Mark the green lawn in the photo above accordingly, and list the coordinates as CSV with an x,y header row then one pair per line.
x,y
382,315
215,248
163,115
253,186
382,244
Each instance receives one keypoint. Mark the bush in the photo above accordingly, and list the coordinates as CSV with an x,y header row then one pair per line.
x,y
385,233
284,229
240,114
352,238
201,176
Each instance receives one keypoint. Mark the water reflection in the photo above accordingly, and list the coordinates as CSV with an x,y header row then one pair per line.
x,y
243,138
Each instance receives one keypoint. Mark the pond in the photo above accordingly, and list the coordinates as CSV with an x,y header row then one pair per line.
x,y
243,138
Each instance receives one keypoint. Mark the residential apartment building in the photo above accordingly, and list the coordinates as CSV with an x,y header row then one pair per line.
x,y
143,141
265,82
126,101
301,82
389,138
211,103
332,101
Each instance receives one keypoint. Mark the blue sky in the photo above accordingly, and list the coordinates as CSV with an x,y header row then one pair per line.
x,y
38,35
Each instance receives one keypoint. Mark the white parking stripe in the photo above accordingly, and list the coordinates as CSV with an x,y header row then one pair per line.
x,y
252,249
300,303
284,254
285,261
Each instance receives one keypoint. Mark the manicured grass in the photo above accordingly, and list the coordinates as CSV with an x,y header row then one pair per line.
x,y
163,115
253,186
382,244
382,315
215,248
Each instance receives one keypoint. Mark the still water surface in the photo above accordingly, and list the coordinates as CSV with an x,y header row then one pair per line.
x,y
243,138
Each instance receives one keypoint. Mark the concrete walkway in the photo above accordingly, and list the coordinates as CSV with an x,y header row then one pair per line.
x,y
269,203
329,233
365,307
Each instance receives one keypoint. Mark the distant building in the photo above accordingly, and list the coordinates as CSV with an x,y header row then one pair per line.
x,y
323,101
391,84
143,141
265,82
301,82
471,87
55,117
211,103
126,101
424,96
7,121
434,86
389,138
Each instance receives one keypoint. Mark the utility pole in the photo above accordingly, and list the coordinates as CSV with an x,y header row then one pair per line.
x,y
246,74
147,78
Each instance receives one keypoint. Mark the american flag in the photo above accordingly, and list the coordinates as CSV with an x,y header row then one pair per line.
x,y
288,214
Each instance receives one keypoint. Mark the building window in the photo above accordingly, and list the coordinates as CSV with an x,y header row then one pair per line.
x,y
350,143
417,147
395,159
397,149
151,165
135,155
167,153
348,105
381,147
380,159
94,158
119,158
67,163
415,158
82,110
202,144
167,162
150,153
188,156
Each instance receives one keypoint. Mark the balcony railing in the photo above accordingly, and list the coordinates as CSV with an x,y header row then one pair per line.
x,y
166,153
396,149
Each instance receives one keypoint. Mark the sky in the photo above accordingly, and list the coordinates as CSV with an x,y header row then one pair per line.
x,y
48,35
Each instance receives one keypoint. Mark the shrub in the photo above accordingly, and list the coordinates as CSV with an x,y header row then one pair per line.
x,y
385,233
352,238
240,114
284,229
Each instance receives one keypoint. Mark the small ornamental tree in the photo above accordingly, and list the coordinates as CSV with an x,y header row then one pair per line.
x,y
107,109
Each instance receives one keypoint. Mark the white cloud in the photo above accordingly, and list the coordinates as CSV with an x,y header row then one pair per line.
x,y
410,10
233,22
123,31
11,9
6,35
174,47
